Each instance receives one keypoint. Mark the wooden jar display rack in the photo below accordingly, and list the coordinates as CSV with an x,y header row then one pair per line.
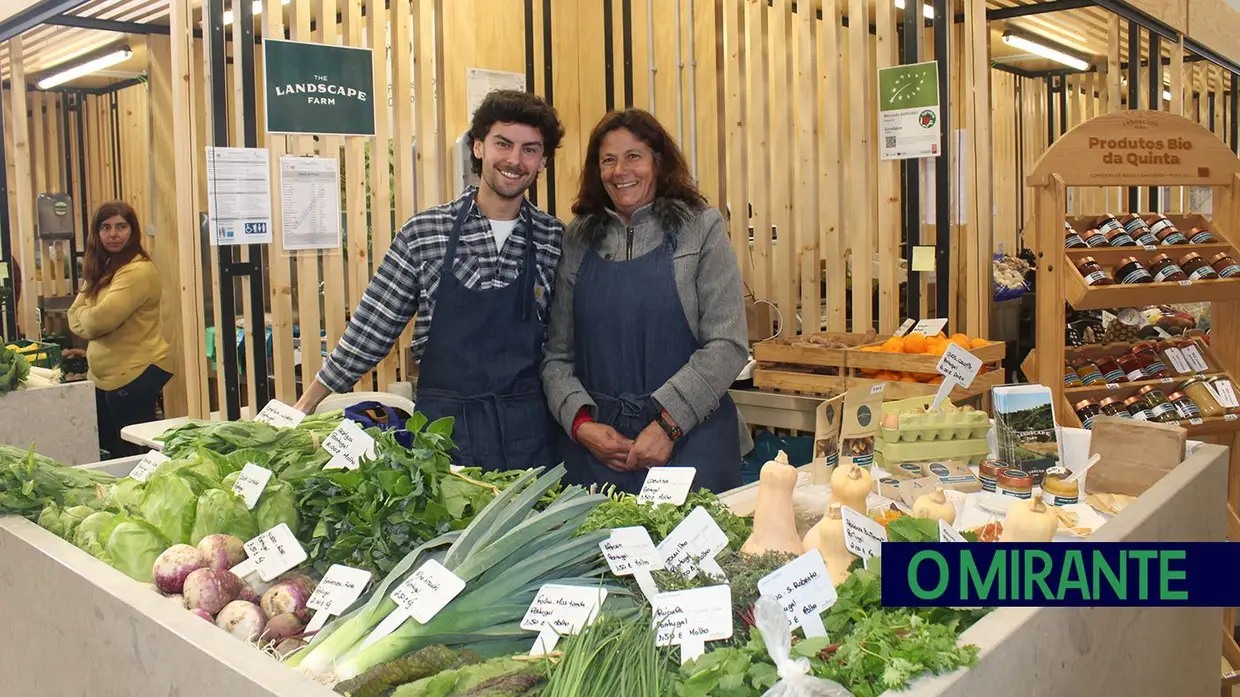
x,y
807,364
1125,149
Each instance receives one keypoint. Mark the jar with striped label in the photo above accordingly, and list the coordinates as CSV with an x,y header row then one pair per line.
x,y
1184,406
1111,372
1112,406
1201,236
1224,265
1088,372
1165,231
1196,267
1138,230
1095,238
1070,378
1164,269
1016,483
1131,365
1151,363
1137,407
1161,408
1086,410
1093,273
1130,270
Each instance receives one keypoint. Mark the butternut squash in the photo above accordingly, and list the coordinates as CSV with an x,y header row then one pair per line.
x,y
831,544
1029,520
774,520
850,485
935,505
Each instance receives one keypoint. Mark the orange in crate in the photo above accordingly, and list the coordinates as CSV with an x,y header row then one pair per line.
x,y
915,343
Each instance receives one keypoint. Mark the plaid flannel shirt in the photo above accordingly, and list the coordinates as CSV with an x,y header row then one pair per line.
x,y
407,280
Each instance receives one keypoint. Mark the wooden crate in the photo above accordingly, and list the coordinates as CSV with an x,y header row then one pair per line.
x,y
795,364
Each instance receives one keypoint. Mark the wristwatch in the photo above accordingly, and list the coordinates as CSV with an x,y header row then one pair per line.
x,y
673,431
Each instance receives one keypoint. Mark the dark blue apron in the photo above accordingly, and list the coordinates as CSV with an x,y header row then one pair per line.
x,y
630,337
481,366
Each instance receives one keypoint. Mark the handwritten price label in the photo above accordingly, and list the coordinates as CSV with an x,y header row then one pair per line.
x,y
279,414
347,444
340,588
862,536
693,544
565,609
427,591
275,552
251,483
147,465
667,485
1195,360
693,616
803,587
630,550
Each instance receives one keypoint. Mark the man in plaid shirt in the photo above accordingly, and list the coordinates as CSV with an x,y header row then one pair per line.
x,y
477,273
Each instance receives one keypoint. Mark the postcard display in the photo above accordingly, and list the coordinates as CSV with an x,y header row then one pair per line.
x,y
1145,149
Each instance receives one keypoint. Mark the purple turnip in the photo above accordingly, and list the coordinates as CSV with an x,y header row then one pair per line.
x,y
211,589
288,596
174,565
242,620
283,627
249,594
203,614
222,552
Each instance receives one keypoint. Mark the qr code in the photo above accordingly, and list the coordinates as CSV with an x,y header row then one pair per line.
x,y
891,141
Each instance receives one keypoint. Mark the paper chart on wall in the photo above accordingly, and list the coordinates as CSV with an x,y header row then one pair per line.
x,y
310,202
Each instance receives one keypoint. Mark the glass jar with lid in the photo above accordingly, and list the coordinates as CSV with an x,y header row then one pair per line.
x,y
1185,407
1224,265
1197,390
1094,238
1137,407
1070,378
1151,365
1163,269
1118,237
1131,270
1057,491
1014,482
1093,273
1111,372
1196,267
1200,235
1112,406
1138,230
1131,365
1086,410
1088,371
1160,407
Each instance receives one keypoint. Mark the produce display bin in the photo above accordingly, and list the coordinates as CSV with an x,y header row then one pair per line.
x,y
59,420
64,608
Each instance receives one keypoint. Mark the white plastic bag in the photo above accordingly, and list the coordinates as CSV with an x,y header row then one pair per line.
x,y
794,677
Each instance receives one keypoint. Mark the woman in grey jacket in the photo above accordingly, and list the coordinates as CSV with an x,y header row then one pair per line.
x,y
647,327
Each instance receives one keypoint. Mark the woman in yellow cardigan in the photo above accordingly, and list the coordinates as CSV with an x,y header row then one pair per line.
x,y
118,313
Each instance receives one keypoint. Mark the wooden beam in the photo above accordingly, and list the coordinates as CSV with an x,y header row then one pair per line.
x,y
22,234
279,279
329,147
888,174
808,178
831,184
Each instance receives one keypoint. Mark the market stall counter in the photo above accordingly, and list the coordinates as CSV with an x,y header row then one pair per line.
x,y
65,609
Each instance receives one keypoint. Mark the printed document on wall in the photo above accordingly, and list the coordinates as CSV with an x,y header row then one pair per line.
x,y
310,202
239,195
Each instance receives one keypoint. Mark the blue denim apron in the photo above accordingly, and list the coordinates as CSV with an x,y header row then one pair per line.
x,y
630,337
481,366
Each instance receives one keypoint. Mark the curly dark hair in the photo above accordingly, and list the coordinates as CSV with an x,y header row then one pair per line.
x,y
514,106
675,181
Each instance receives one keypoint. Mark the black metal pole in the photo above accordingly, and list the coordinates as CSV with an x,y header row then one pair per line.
x,y
226,334
243,51
626,20
6,248
79,101
548,81
1019,129
943,166
1050,110
609,55
910,182
1063,104
118,180
1156,96
1134,93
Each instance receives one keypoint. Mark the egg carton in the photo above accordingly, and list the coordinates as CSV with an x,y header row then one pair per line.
x,y
937,425
969,451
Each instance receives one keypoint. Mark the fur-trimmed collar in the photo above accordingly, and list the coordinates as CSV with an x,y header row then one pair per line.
x,y
669,213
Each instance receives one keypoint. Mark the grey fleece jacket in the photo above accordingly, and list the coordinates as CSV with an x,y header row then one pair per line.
x,y
708,281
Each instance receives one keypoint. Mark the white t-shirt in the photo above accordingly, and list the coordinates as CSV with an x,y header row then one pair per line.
x,y
502,229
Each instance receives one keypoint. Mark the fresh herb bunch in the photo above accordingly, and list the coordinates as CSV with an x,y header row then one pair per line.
x,y
13,370
291,453
371,517
623,510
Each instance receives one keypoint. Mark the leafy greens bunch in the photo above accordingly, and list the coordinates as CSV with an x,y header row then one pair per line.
x,y
13,370
371,517
290,453
623,510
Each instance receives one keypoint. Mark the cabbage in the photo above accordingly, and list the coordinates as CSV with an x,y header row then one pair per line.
x,y
62,522
222,512
278,504
133,547
170,504
93,533
125,496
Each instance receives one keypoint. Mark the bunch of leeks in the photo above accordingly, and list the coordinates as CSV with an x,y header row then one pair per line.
x,y
505,555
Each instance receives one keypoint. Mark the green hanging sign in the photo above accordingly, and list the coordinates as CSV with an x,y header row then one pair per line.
x,y
318,88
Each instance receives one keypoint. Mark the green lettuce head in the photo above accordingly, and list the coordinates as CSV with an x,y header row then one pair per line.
x,y
133,547
93,533
222,512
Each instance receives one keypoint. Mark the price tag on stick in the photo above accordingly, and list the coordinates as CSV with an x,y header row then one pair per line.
x,y
341,587
803,587
693,544
958,367
862,536
561,611
667,485
271,554
251,483
422,595
690,618
630,551
347,444
147,465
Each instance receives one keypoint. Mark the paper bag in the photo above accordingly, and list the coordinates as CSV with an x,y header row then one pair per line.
x,y
758,316
826,439
1135,454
